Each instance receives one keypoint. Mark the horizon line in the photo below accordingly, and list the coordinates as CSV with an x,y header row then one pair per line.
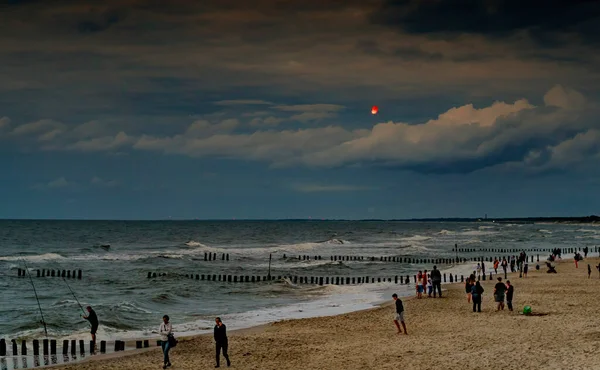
x,y
449,219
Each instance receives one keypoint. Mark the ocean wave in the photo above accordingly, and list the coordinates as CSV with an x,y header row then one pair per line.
x,y
34,258
415,238
545,231
478,232
193,243
446,232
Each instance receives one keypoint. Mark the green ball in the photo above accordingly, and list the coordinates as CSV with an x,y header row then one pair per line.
x,y
527,310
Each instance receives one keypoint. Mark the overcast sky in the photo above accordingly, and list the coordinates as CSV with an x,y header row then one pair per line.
x,y
262,109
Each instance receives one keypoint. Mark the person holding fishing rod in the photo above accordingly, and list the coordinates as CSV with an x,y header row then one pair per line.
x,y
93,319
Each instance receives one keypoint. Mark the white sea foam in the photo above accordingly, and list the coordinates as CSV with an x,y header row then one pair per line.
x,y
35,258
415,238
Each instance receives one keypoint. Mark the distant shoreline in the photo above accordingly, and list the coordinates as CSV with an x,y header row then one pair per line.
x,y
519,220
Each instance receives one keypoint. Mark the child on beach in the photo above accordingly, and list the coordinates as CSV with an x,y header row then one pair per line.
x,y
510,290
589,271
419,285
429,286
525,270
399,314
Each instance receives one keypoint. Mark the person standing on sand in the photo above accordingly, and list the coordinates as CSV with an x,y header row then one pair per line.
x,y
499,290
93,319
510,290
399,314
525,269
478,270
165,330
477,293
504,265
436,280
468,286
429,286
483,267
419,285
425,281
221,341
585,251
496,263
512,264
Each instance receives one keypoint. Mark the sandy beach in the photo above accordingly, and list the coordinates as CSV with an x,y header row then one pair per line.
x,y
443,333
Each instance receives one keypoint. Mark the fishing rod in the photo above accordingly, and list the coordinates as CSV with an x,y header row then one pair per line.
x,y
36,296
71,290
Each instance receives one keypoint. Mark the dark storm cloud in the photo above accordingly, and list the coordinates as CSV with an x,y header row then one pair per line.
x,y
543,19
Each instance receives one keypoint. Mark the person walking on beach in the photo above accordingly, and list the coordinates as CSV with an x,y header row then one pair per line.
x,y
525,269
165,330
510,290
436,280
504,265
221,341
577,258
499,290
483,267
399,319
585,251
512,264
478,270
477,294
93,319
496,263
589,271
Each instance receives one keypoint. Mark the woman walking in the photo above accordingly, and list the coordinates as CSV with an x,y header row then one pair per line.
x,y
165,331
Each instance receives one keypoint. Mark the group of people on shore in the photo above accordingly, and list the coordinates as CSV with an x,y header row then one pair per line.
x,y
502,291
431,281
168,341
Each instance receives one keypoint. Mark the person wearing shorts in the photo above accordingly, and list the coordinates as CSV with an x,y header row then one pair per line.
x,y
399,318
499,290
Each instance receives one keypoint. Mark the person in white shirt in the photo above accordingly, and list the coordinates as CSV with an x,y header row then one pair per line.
x,y
165,330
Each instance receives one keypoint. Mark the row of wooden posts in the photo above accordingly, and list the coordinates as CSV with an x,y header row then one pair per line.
x,y
49,347
213,256
337,280
75,274
436,261
498,250
440,261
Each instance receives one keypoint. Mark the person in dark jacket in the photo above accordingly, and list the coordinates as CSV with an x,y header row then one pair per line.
x,y
93,319
436,280
476,293
510,291
399,318
221,341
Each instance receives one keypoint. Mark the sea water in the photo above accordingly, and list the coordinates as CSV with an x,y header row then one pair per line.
x,y
129,305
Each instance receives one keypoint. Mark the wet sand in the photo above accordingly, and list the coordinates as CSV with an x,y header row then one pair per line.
x,y
443,333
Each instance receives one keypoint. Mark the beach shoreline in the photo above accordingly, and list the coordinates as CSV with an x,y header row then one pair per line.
x,y
305,343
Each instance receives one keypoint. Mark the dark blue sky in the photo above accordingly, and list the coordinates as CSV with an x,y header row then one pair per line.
x,y
222,109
